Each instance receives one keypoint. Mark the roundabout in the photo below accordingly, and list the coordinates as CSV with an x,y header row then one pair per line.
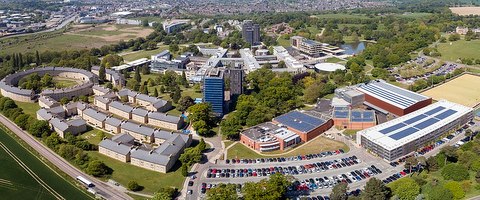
x,y
76,82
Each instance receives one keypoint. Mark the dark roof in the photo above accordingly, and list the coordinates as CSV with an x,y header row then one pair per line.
x,y
300,121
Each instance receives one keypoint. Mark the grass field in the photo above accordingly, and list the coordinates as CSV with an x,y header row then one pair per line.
x,y
459,49
61,82
76,38
16,183
317,145
143,54
150,180
466,10
333,60
28,108
341,16
463,90
93,135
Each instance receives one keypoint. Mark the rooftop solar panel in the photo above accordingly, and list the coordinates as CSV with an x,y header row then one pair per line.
x,y
300,121
435,110
392,128
445,114
426,123
415,119
403,133
389,95
341,114
401,91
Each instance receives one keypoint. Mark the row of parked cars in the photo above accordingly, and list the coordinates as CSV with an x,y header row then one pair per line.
x,y
284,159
399,175
312,184
288,170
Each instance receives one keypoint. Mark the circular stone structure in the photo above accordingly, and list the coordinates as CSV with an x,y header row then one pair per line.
x,y
329,67
9,84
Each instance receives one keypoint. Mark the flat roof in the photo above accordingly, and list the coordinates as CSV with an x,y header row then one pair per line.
x,y
300,121
391,94
402,130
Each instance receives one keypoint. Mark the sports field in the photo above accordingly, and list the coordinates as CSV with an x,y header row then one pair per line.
x,y
459,49
466,10
24,176
463,90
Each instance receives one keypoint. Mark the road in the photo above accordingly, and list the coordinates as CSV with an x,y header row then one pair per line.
x,y
60,26
102,188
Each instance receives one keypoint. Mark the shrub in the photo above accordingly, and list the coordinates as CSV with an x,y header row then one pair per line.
x,y
455,188
455,172
133,186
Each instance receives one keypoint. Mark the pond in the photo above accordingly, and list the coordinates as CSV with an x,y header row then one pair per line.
x,y
353,48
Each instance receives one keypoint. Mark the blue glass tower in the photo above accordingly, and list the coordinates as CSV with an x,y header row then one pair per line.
x,y
213,91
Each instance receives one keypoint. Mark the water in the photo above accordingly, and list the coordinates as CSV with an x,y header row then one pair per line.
x,y
353,48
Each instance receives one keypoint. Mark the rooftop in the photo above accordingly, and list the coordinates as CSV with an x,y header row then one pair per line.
x,y
121,106
117,147
410,127
138,128
164,117
95,114
300,121
392,94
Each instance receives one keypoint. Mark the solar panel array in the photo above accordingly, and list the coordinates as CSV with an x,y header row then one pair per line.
x,y
300,121
340,114
392,93
362,116
417,123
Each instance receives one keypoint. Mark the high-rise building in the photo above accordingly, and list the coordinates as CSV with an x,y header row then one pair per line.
x,y
251,32
213,90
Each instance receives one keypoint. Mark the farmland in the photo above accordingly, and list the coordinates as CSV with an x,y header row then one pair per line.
x,y
459,49
466,10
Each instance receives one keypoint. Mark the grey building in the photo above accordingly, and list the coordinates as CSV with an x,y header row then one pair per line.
x,y
251,32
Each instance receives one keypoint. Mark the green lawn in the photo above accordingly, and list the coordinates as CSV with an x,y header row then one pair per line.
x,y
459,49
150,180
61,82
333,60
29,108
16,183
317,145
93,135
283,42
144,54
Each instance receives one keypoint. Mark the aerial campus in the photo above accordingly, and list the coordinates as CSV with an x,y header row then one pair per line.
x,y
249,100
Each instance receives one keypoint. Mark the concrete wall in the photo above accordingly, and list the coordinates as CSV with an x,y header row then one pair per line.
x,y
114,155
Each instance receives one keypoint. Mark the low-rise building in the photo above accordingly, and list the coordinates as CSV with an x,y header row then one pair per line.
x,y
99,90
268,137
94,117
346,118
74,126
140,115
138,131
164,120
101,102
129,94
113,125
44,114
153,103
306,124
120,109
47,102
118,147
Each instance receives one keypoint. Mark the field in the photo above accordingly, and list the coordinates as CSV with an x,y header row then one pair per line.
x,y
28,108
150,180
76,38
463,90
61,82
93,135
466,10
459,49
317,145
131,56
340,16
17,183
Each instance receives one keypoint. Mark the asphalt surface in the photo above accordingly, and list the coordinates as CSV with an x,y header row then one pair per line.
x,y
366,158
60,26
102,188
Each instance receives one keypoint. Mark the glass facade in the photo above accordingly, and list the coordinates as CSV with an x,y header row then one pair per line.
x,y
213,93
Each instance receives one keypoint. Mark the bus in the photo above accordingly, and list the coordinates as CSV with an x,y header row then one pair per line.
x,y
85,181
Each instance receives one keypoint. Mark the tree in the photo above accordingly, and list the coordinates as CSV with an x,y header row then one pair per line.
x,y
230,126
176,95
201,127
405,188
38,61
68,151
410,162
200,111
184,103
450,153
155,92
223,192
166,193
273,188
281,64
39,128
267,66
184,170
102,73
477,177
456,189
162,89
97,168
339,192
47,80
439,192
173,48
52,141
23,120
137,76
375,190
133,186
202,145
64,100
455,172
190,156
145,23
454,37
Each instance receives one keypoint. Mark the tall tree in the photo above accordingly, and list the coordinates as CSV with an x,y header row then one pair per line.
x,y
339,192
38,61
184,103
375,190
102,73
223,192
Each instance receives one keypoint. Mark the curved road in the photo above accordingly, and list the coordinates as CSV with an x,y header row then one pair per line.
x,y
102,188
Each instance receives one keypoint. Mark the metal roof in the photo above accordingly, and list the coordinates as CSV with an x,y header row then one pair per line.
x,y
123,138
164,117
138,128
300,121
140,112
115,147
113,121
95,114
402,130
121,106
